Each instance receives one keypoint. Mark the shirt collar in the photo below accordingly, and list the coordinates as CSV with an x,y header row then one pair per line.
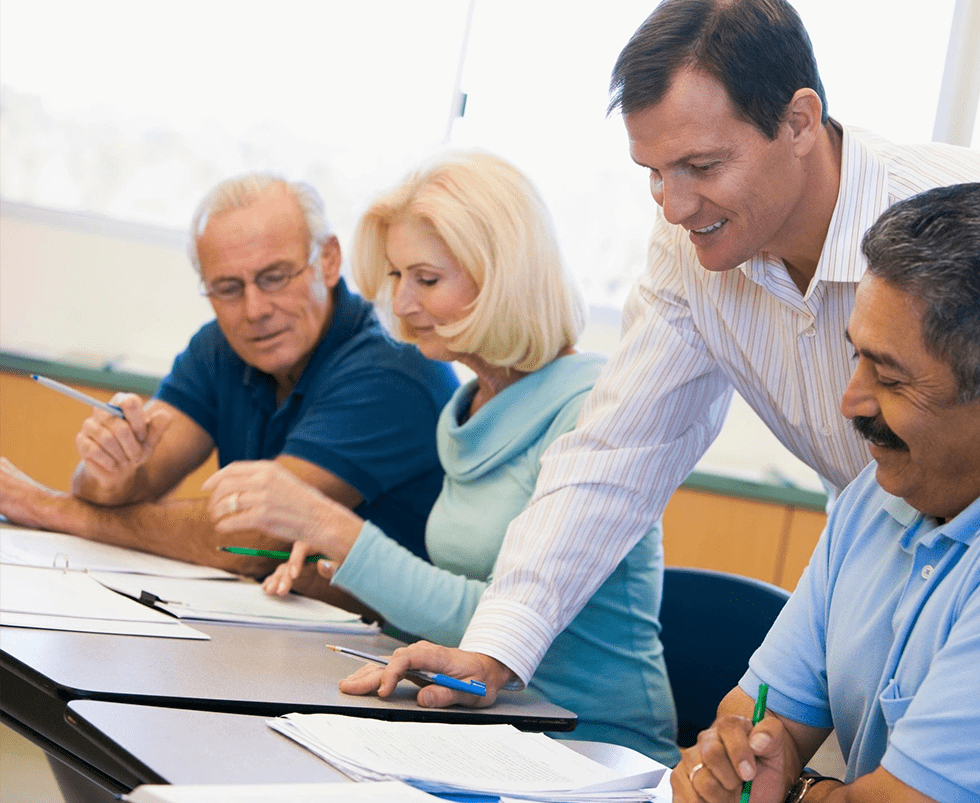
x,y
861,198
965,528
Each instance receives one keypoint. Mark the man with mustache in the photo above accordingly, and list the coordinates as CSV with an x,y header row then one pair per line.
x,y
294,368
881,638
877,432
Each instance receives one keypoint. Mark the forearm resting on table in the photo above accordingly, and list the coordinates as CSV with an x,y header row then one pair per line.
x,y
179,529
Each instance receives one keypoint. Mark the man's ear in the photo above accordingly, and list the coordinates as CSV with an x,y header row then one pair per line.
x,y
803,118
330,259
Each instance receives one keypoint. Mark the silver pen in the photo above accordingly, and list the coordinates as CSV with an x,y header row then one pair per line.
x,y
77,394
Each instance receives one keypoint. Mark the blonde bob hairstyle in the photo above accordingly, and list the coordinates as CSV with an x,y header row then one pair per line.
x,y
496,226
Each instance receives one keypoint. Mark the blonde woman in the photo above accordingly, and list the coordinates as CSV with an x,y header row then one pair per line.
x,y
464,255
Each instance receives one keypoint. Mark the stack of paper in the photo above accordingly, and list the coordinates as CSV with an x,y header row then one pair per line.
x,y
478,759
385,792
183,590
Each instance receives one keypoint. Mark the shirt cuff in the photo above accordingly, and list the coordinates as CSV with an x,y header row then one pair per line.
x,y
511,633
351,571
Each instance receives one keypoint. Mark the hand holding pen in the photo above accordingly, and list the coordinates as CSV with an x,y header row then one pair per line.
x,y
280,582
737,757
422,677
427,657
757,716
113,442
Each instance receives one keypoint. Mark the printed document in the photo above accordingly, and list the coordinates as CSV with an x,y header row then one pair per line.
x,y
446,758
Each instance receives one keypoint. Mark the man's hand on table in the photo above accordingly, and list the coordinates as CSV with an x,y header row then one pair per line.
x,y
25,501
433,658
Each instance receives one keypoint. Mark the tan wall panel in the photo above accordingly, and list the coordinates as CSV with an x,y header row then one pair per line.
x,y
38,427
712,531
804,531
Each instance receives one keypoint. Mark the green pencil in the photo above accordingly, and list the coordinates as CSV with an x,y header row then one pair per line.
x,y
268,553
757,715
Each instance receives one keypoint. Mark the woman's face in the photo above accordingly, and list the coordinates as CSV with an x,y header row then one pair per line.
x,y
429,288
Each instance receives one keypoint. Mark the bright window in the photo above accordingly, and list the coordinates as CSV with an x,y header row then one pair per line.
x,y
130,110
133,109
538,92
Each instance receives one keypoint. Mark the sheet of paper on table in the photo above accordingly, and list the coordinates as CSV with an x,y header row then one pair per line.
x,y
57,599
39,548
242,602
445,758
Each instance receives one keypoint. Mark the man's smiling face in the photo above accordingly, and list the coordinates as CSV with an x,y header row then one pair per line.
x,y
734,190
904,402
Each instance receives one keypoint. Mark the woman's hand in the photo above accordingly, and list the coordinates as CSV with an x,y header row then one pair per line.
x,y
280,582
265,496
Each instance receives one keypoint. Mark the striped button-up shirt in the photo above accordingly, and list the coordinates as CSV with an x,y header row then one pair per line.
x,y
690,337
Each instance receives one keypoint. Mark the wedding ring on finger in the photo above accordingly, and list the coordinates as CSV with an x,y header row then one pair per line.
x,y
694,771
233,503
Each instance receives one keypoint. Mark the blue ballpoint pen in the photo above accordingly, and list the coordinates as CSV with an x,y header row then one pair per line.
x,y
469,686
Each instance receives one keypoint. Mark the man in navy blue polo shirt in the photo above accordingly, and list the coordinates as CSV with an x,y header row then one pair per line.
x,y
294,368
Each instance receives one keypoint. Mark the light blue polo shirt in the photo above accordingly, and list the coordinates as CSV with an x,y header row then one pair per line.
x,y
881,640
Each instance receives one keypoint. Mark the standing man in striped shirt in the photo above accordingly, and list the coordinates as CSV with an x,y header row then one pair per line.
x,y
754,264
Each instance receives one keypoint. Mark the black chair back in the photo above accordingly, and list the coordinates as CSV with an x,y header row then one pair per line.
x,y
712,622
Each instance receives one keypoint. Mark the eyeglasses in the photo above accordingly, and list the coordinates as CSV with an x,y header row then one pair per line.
x,y
270,281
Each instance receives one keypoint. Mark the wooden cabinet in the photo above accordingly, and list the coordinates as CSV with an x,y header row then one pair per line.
x,y
768,541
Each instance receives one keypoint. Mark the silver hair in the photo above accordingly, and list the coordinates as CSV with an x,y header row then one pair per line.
x,y
241,191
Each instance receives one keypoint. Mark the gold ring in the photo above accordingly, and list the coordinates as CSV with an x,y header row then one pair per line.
x,y
694,771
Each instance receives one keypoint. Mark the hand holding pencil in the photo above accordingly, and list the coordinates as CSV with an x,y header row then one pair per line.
x,y
738,758
113,442
265,496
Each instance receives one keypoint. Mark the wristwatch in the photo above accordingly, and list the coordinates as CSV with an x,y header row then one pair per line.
x,y
807,778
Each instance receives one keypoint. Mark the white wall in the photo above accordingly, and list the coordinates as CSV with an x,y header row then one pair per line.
x,y
92,291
